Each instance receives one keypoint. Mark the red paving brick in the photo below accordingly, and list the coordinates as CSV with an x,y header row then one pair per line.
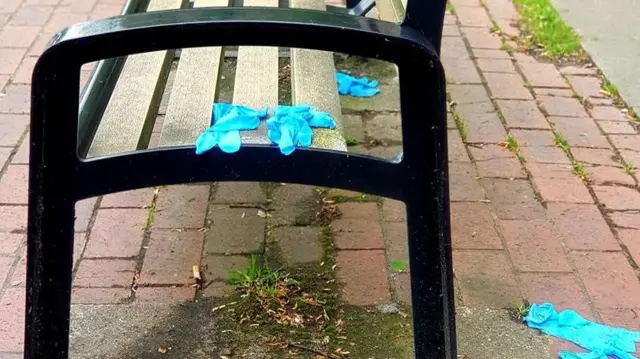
x,y
14,218
491,152
19,36
12,128
578,70
562,106
550,170
490,54
450,30
14,185
607,113
394,211
181,207
10,60
609,175
32,15
457,149
465,94
357,234
359,211
609,279
170,257
563,290
522,114
396,242
235,231
128,199
363,275
10,242
484,128
585,86
501,168
616,127
454,48
626,219
464,183
534,247
23,75
627,318
481,38
542,75
631,239
486,279
618,198
217,268
508,191
526,138
570,190
507,86
105,273
596,156
545,155
582,226
12,324
472,227
17,99
495,65
501,9
117,233
461,71
629,142
5,267
100,295
580,132
473,16
84,211
554,92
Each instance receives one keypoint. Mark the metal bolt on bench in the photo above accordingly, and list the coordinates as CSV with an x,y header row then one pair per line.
x,y
63,169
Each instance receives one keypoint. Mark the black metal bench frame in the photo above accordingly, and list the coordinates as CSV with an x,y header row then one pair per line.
x,y
59,176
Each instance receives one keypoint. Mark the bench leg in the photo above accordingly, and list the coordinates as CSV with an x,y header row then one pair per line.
x,y
51,209
50,261
427,202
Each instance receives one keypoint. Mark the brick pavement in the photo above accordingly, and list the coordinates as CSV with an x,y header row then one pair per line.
x,y
523,224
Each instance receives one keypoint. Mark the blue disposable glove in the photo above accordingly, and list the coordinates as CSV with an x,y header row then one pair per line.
x,y
356,87
600,339
290,126
227,121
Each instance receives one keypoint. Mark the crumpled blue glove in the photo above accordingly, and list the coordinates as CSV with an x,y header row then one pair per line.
x,y
290,126
228,121
356,87
600,339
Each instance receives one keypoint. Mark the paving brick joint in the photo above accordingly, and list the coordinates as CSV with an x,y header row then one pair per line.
x,y
524,225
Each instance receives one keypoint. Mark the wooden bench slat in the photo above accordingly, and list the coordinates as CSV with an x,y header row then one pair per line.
x,y
313,81
193,91
256,82
127,122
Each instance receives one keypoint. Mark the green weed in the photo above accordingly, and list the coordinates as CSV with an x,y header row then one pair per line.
x,y
547,27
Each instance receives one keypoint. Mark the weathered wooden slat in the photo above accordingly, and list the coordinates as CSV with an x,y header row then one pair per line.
x,y
128,119
193,91
391,10
256,83
313,81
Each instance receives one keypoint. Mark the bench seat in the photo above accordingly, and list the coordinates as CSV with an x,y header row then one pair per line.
x,y
133,108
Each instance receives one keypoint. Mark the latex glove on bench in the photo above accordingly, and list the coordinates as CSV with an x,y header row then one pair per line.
x,y
290,126
228,121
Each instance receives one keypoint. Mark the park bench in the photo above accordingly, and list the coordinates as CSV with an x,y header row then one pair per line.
x,y
98,142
